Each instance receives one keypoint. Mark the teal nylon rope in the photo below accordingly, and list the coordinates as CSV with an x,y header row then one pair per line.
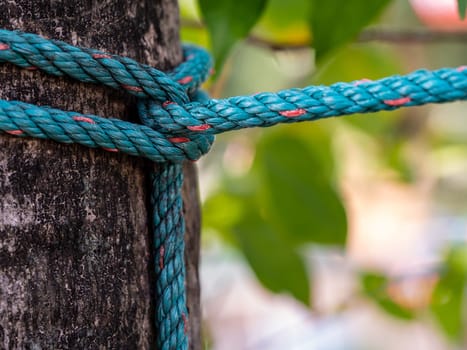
x,y
180,123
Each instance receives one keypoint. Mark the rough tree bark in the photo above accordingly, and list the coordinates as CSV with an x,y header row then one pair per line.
x,y
75,260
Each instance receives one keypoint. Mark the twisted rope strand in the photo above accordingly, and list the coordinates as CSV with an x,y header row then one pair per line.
x,y
114,135
310,103
168,224
58,58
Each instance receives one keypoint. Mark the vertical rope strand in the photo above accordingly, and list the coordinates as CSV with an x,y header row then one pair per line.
x,y
169,227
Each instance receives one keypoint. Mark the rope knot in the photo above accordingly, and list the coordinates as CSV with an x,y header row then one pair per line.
x,y
151,86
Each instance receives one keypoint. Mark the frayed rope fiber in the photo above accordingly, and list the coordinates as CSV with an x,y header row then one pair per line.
x,y
179,123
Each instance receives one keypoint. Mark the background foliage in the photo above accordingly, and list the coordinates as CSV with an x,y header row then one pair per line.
x,y
273,206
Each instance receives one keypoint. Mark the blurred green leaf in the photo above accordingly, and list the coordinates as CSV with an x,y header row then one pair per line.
x,y
221,212
448,302
336,22
194,35
296,192
457,260
447,306
285,22
276,264
375,288
234,213
318,138
189,9
396,159
229,21
394,309
373,283
369,61
462,6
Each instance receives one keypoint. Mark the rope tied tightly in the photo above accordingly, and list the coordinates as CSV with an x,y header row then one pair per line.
x,y
180,123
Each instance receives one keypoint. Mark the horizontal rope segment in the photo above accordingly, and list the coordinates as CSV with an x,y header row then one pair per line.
x,y
114,135
307,104
58,58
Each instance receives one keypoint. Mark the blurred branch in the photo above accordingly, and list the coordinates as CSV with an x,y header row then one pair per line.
x,y
265,43
412,36
191,23
393,37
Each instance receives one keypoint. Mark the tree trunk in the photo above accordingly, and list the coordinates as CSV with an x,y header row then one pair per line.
x,y
76,266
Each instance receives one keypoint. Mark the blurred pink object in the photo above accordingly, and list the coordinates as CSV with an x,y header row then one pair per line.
x,y
439,14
